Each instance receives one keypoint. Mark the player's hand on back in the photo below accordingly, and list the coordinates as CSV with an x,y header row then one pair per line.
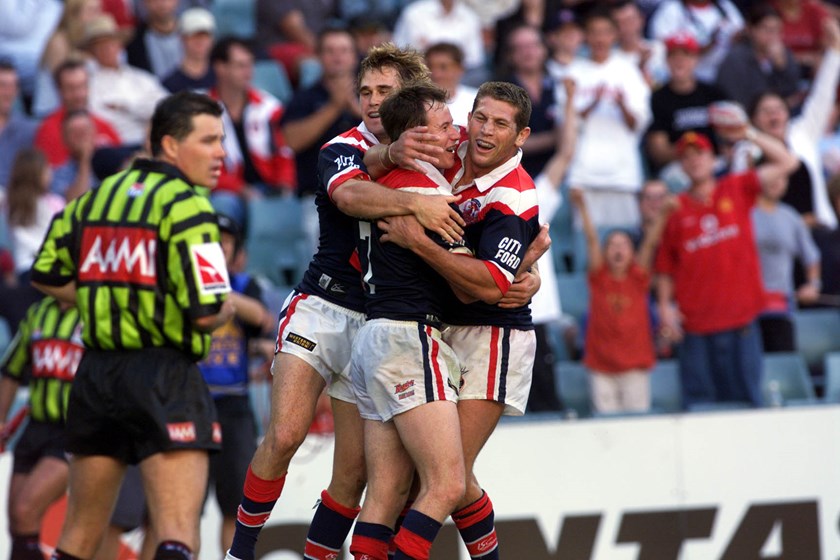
x,y
435,214
404,231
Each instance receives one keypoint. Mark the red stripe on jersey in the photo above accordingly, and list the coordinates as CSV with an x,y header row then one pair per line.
x,y
289,312
340,178
498,277
436,366
494,357
500,206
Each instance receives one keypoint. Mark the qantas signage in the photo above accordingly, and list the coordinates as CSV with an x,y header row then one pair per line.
x,y
118,254
58,359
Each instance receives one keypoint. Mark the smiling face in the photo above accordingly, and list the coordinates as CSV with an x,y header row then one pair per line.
x,y
199,154
375,85
771,115
618,251
439,121
494,138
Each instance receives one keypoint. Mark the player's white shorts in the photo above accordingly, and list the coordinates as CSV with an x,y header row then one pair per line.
x,y
321,334
497,364
400,365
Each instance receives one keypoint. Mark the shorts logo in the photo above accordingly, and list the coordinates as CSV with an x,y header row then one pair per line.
x,y
118,254
404,390
209,264
471,209
217,432
304,343
183,432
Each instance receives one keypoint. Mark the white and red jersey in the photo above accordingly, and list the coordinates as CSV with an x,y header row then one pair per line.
x,y
273,160
710,252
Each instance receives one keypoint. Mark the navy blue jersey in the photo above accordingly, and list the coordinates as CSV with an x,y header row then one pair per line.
x,y
332,274
399,284
501,213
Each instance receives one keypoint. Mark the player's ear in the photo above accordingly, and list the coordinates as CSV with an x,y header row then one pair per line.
x,y
522,136
169,147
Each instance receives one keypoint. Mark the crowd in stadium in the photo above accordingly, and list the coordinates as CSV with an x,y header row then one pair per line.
x,y
686,154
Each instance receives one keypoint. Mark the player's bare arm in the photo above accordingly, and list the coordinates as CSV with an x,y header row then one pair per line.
x,y
413,144
65,293
210,323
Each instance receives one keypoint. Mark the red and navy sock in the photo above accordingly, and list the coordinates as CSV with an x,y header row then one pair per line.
x,y
392,547
329,529
26,547
258,499
414,540
476,525
370,541
173,550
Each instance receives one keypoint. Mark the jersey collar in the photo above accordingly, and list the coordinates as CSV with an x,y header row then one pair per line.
x,y
484,182
157,166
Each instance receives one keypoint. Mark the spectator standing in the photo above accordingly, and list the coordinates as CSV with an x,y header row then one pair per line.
x,y
680,105
72,83
564,36
761,63
256,154
613,102
123,95
319,113
803,22
782,237
196,26
715,25
647,54
426,22
769,113
708,261
16,130
156,46
446,65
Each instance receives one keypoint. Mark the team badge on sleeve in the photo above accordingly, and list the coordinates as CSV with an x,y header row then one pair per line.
x,y
208,262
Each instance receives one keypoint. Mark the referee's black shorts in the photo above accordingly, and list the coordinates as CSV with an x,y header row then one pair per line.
x,y
132,404
38,441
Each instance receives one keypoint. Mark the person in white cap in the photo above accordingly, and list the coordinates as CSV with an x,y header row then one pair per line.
x,y
197,27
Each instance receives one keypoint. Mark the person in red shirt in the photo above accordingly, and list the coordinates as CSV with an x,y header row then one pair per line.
x,y
619,346
71,81
708,263
803,24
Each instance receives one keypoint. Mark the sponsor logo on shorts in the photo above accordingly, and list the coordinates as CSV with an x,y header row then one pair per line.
x,y
404,390
217,432
183,432
304,343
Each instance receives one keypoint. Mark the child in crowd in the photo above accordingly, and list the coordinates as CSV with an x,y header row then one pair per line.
x,y
619,343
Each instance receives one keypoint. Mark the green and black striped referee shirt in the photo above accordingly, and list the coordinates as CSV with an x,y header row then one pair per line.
x,y
144,251
47,348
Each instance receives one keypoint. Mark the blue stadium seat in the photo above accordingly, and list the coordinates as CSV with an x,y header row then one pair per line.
x,y
235,17
271,77
276,242
790,372
817,333
574,293
666,387
832,377
573,386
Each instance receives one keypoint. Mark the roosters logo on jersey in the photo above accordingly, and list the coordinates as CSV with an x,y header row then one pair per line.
x,y
471,210
118,254
58,359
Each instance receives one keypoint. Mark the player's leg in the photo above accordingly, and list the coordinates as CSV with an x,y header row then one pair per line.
x,y
432,437
294,394
390,474
30,494
339,504
94,483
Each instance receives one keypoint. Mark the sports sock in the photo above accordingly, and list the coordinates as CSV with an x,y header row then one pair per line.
x,y
258,499
370,541
392,548
414,540
330,526
26,547
173,550
61,555
475,522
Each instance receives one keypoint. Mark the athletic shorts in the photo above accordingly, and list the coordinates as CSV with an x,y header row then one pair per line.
x,y
497,364
38,441
239,442
132,404
400,365
321,334
130,509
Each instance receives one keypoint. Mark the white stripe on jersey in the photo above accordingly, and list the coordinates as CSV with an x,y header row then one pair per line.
x,y
361,143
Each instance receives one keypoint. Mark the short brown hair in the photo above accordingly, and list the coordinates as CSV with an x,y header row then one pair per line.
x,y
451,50
408,63
509,93
406,108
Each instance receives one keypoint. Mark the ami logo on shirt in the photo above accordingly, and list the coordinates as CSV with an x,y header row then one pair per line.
x,y
118,254
58,359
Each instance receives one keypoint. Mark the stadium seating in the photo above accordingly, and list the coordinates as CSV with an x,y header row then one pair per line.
x,y
276,241
817,333
832,377
5,335
573,387
665,387
574,293
790,372
271,77
235,17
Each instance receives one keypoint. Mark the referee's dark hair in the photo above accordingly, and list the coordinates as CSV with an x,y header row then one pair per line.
x,y
406,107
174,116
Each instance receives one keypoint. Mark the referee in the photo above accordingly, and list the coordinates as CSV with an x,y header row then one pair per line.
x,y
140,256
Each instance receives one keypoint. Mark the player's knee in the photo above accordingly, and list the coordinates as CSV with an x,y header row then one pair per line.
x,y
283,441
348,485
23,516
451,490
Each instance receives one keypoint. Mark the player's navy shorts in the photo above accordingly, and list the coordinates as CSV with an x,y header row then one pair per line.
x,y
38,441
239,442
132,404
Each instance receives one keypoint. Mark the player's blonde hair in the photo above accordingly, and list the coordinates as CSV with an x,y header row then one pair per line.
x,y
407,62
